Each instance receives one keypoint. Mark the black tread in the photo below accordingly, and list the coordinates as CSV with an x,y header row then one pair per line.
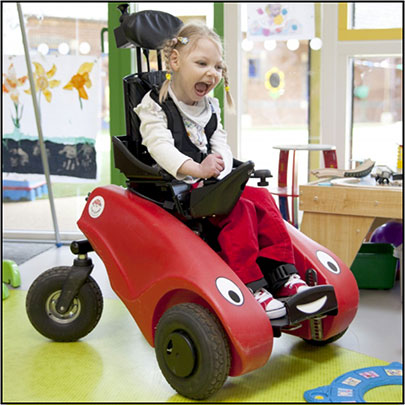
x,y
218,341
52,280
205,318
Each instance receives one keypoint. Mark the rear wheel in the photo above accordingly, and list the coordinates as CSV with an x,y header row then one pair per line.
x,y
192,350
79,320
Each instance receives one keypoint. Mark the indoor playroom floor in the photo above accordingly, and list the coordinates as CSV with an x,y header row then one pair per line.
x,y
114,363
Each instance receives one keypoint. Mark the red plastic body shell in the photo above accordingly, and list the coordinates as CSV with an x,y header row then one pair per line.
x,y
335,272
154,261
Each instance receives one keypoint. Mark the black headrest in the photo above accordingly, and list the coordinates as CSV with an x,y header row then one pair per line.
x,y
147,29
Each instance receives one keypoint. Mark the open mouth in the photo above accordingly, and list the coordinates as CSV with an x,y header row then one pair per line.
x,y
201,89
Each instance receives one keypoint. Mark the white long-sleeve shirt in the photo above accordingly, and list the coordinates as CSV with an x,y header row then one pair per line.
x,y
159,141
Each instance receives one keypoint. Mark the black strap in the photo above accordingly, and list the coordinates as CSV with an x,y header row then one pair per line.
x,y
277,277
211,127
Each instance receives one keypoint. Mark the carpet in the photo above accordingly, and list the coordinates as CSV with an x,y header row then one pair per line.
x,y
20,252
114,363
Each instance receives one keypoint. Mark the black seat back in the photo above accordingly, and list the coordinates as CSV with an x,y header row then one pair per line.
x,y
145,31
135,87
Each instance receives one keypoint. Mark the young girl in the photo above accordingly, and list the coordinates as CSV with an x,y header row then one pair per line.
x,y
253,237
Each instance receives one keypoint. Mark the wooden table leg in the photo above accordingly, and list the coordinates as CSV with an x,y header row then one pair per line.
x,y
342,234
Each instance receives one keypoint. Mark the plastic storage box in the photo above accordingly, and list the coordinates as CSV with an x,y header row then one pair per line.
x,y
375,266
23,190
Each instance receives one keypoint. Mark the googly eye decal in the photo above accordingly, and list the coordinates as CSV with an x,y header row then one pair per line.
x,y
328,262
230,291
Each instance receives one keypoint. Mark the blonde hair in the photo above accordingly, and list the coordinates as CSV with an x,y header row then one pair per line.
x,y
192,32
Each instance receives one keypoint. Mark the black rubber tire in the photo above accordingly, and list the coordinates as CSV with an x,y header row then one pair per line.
x,y
210,346
80,319
327,341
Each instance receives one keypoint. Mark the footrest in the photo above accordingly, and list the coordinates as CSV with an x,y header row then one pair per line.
x,y
316,301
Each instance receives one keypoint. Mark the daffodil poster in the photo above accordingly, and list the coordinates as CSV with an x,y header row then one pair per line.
x,y
280,21
68,91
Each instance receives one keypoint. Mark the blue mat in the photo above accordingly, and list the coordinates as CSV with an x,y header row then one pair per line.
x,y
351,386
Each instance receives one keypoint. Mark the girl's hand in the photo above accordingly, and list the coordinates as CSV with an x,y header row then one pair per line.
x,y
212,166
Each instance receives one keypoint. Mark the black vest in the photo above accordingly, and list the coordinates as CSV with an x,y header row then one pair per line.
x,y
176,125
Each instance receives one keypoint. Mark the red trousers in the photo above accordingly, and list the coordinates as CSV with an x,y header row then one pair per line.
x,y
254,228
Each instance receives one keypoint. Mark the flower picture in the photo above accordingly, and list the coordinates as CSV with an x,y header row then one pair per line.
x,y
69,128
42,82
79,80
10,86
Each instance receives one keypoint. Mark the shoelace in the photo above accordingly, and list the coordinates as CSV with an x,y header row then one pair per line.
x,y
294,279
262,295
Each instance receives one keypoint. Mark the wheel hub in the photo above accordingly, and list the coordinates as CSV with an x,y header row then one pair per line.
x,y
70,315
180,354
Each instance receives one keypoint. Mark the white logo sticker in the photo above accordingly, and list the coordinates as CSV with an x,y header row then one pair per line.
x,y
96,206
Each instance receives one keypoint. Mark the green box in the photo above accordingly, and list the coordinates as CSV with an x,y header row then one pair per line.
x,y
375,266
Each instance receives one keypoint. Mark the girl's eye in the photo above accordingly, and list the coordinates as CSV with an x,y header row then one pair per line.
x,y
201,63
219,68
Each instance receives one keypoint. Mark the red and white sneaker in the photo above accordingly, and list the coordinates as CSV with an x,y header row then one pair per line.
x,y
273,307
294,285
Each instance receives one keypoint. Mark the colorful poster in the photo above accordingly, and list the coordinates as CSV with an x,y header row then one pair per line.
x,y
280,21
68,91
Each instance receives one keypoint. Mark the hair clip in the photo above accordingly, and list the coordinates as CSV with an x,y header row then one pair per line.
x,y
226,88
168,76
183,40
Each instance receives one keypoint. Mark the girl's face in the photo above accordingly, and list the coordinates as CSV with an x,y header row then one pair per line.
x,y
197,71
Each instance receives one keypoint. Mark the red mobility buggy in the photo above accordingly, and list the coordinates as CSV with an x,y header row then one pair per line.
x,y
202,320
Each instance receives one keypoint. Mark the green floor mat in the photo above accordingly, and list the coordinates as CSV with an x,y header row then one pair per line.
x,y
114,363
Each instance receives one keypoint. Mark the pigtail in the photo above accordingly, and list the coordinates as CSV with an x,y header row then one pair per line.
x,y
164,91
167,51
229,98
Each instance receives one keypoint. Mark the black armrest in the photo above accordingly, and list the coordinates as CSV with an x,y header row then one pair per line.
x,y
262,175
132,167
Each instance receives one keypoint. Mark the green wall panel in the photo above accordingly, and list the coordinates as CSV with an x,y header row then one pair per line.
x,y
119,61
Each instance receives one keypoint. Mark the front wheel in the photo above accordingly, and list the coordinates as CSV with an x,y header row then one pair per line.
x,y
79,320
192,350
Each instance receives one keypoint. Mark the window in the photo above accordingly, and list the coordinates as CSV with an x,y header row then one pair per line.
x,y
359,89
377,109
275,80
370,21
376,15
64,42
